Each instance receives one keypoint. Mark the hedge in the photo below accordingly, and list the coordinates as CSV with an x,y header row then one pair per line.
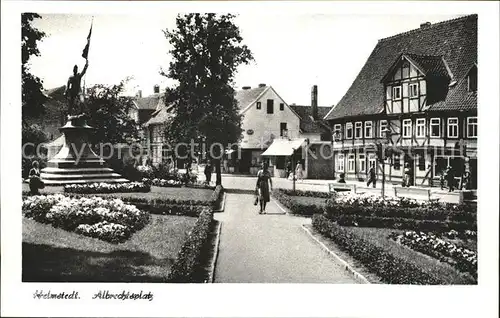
x,y
389,267
295,207
301,193
187,265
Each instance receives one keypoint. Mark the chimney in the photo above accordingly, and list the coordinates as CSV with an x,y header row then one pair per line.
x,y
314,102
139,93
156,89
246,87
262,85
425,25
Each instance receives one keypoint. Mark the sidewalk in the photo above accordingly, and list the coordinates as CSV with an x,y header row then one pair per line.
x,y
270,248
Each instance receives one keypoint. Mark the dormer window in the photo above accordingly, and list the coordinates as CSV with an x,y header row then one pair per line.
x,y
472,80
396,92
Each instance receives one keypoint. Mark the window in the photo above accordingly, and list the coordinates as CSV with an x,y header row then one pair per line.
x,y
383,127
350,163
406,128
435,127
259,105
362,163
368,129
397,162
340,163
358,130
472,80
396,92
413,90
472,127
270,106
283,130
348,130
337,131
421,127
453,127
282,106
421,162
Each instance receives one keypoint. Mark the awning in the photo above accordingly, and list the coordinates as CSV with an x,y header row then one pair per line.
x,y
283,147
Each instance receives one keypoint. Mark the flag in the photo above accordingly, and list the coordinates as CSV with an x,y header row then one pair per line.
x,y
85,53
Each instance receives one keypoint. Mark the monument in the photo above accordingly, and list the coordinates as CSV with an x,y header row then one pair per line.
x,y
76,162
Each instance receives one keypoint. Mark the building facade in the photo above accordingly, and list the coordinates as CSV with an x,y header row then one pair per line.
x,y
415,98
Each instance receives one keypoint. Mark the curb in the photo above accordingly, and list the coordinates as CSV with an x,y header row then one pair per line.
x,y
216,254
280,207
348,268
223,204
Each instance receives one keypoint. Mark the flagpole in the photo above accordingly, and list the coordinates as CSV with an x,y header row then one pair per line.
x,y
85,76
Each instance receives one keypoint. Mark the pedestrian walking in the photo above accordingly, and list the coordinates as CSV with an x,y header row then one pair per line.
x,y
372,178
341,178
288,168
299,171
263,187
465,180
208,173
450,179
34,178
407,175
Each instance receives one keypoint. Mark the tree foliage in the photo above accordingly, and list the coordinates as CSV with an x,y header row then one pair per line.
x,y
207,49
109,114
32,86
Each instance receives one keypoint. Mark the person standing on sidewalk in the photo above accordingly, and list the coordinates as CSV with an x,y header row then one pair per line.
x,y
450,179
407,175
263,187
299,171
372,178
208,172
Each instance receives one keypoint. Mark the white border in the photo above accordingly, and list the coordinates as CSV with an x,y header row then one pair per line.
x,y
256,299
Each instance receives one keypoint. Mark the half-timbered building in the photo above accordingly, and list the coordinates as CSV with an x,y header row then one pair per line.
x,y
416,96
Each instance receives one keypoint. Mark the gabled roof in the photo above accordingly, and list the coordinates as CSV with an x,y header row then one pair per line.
x,y
428,65
455,40
160,116
307,123
151,102
245,97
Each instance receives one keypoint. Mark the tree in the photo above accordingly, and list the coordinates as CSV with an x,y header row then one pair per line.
x,y
206,52
32,86
109,114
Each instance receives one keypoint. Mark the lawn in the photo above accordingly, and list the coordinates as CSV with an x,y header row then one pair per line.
x,y
55,255
379,237
308,200
183,193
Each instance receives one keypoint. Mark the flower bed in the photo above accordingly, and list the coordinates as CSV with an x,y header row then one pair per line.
x,y
94,188
109,220
187,266
401,213
389,266
294,206
162,182
463,259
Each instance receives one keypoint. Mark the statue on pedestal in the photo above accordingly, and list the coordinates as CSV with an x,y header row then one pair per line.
x,y
73,90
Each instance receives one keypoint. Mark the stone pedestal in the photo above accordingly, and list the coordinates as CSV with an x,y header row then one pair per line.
x,y
76,162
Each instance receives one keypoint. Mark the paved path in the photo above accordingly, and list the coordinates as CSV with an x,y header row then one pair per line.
x,y
269,248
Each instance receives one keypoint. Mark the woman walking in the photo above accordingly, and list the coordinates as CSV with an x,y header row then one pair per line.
x,y
299,171
35,182
263,187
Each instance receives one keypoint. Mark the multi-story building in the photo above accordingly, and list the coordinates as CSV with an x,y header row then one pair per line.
x,y
416,95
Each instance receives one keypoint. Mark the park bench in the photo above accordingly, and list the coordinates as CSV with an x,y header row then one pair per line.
x,y
332,187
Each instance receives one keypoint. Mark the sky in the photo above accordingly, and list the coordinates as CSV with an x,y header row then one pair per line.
x,y
292,52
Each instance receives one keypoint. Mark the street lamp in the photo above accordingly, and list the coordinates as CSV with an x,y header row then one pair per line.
x,y
293,169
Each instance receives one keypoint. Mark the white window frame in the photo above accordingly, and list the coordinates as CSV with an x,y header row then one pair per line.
x,y
420,127
362,162
450,126
394,95
410,91
351,163
469,124
340,163
406,129
369,124
435,122
337,127
383,126
347,127
358,125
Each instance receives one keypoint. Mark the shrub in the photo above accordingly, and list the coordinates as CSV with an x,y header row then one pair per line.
x,y
187,266
301,193
390,268
296,207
